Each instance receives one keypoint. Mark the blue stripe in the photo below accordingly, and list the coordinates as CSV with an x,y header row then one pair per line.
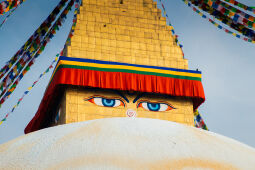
x,y
126,64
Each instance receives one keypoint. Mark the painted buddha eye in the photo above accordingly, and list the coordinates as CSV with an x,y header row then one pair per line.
x,y
155,107
106,102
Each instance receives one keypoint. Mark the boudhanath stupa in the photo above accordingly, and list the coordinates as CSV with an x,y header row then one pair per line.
x,y
122,97
124,60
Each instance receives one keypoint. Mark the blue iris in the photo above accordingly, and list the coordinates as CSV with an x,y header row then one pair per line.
x,y
108,102
153,106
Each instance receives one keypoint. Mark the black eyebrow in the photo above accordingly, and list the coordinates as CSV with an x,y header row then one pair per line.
x,y
138,97
122,95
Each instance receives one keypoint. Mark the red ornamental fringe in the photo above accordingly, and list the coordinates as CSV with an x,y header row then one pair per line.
x,y
111,80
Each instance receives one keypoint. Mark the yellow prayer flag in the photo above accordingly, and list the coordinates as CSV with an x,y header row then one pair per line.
x,y
15,69
31,49
231,14
7,9
196,113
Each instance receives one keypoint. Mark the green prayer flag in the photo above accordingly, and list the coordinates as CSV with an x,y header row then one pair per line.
x,y
240,5
19,66
42,48
233,9
250,24
13,86
27,68
226,12
12,5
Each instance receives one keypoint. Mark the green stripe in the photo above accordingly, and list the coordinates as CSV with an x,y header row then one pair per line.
x,y
126,71
129,71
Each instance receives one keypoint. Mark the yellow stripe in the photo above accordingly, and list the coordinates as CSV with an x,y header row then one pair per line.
x,y
130,68
77,63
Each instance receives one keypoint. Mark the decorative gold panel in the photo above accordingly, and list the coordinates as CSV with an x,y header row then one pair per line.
x,y
133,31
130,31
76,107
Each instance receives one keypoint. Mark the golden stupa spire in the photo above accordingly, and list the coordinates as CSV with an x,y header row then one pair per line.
x,y
122,61
130,31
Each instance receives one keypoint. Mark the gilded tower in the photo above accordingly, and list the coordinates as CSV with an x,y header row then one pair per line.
x,y
135,33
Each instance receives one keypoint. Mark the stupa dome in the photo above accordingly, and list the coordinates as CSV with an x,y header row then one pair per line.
x,y
125,143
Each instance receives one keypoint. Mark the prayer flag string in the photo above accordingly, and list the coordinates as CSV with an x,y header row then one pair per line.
x,y
29,89
6,18
171,27
198,121
7,5
27,52
235,14
39,33
232,23
247,33
240,5
215,24
31,56
77,6
235,10
5,84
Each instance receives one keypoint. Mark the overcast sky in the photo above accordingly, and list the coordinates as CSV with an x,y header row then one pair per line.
x,y
227,65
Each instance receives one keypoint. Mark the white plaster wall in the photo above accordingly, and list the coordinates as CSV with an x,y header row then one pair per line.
x,y
125,143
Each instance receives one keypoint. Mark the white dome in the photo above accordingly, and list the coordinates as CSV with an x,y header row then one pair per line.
x,y
125,143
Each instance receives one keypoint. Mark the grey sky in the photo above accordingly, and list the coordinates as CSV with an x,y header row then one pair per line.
x,y
227,64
